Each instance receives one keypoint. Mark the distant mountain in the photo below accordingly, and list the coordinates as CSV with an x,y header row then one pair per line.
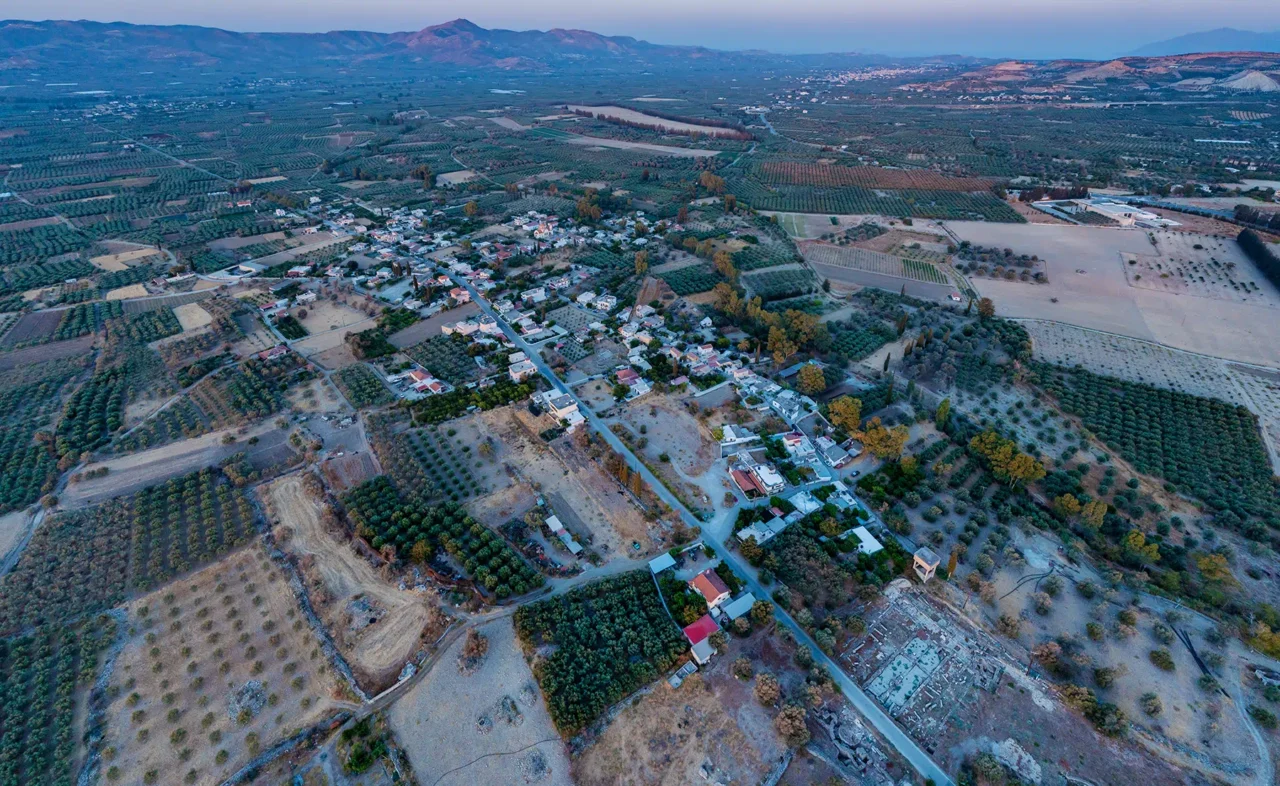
x,y
460,43
1224,39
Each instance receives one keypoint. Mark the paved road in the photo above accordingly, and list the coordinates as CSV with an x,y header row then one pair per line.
x,y
863,703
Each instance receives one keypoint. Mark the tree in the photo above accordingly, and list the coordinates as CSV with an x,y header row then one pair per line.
x,y
790,723
845,413
1067,506
811,380
730,203
722,261
986,308
642,262
767,690
471,209
1137,548
943,413
761,613
883,442
1093,513
781,345
742,668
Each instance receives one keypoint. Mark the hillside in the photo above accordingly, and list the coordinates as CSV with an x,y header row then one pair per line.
x,y
1224,39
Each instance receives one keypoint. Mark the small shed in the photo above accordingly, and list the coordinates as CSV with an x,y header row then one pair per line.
x,y
661,563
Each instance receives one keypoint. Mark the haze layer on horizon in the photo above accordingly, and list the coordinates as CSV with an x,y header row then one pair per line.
x,y
986,28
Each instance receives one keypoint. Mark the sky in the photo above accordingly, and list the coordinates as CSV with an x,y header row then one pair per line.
x,y
1042,29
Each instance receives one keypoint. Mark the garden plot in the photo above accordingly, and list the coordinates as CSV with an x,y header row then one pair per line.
x,y
1200,266
36,326
1089,289
219,666
376,626
489,726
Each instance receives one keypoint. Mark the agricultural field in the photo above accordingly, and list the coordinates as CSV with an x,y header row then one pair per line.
x,y
823,254
217,668
858,336
362,386
446,531
779,284
691,280
44,676
447,358
622,621
1162,433
87,561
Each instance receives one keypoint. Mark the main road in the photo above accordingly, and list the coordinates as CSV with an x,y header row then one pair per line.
x,y
905,746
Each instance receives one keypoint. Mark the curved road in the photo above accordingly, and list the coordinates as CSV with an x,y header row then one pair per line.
x,y
864,704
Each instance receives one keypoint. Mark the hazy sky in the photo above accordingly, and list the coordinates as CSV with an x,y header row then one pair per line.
x,y
1013,28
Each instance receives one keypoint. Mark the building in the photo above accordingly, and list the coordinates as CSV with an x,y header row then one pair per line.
x,y
627,377
805,503
768,478
557,528
867,543
661,563
925,562
742,605
699,634
763,531
562,406
305,298
521,370
460,295
712,588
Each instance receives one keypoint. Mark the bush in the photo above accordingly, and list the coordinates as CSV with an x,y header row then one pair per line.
x,y
767,690
1265,717
1151,704
1162,659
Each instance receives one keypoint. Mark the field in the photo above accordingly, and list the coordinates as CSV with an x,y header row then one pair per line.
x,y
1200,266
632,117
691,280
192,317
362,386
1226,465
379,514
217,668
1089,289
496,729
823,254
578,488
44,675
376,626
792,173
608,639
778,284
446,357
33,328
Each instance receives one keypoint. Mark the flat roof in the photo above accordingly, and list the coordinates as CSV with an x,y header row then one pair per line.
x,y
661,563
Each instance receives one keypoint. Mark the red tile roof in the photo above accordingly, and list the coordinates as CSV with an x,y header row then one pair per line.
x,y
709,583
746,482
701,629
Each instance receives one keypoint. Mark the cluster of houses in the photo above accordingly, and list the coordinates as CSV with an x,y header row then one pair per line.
x,y
722,607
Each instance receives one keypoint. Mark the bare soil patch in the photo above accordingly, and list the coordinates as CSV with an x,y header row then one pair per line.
x,y
221,660
121,260
192,316
124,293
54,351
12,526
376,626
31,223
489,727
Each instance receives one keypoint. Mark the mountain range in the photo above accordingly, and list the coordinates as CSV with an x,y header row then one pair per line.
x,y
1224,39
460,43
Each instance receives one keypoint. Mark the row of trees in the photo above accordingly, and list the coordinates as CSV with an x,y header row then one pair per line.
x,y
420,532
1261,253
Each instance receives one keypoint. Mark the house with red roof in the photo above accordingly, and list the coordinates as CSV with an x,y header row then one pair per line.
x,y
712,588
698,635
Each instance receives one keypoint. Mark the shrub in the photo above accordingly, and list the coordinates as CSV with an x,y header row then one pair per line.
x,y
1162,659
